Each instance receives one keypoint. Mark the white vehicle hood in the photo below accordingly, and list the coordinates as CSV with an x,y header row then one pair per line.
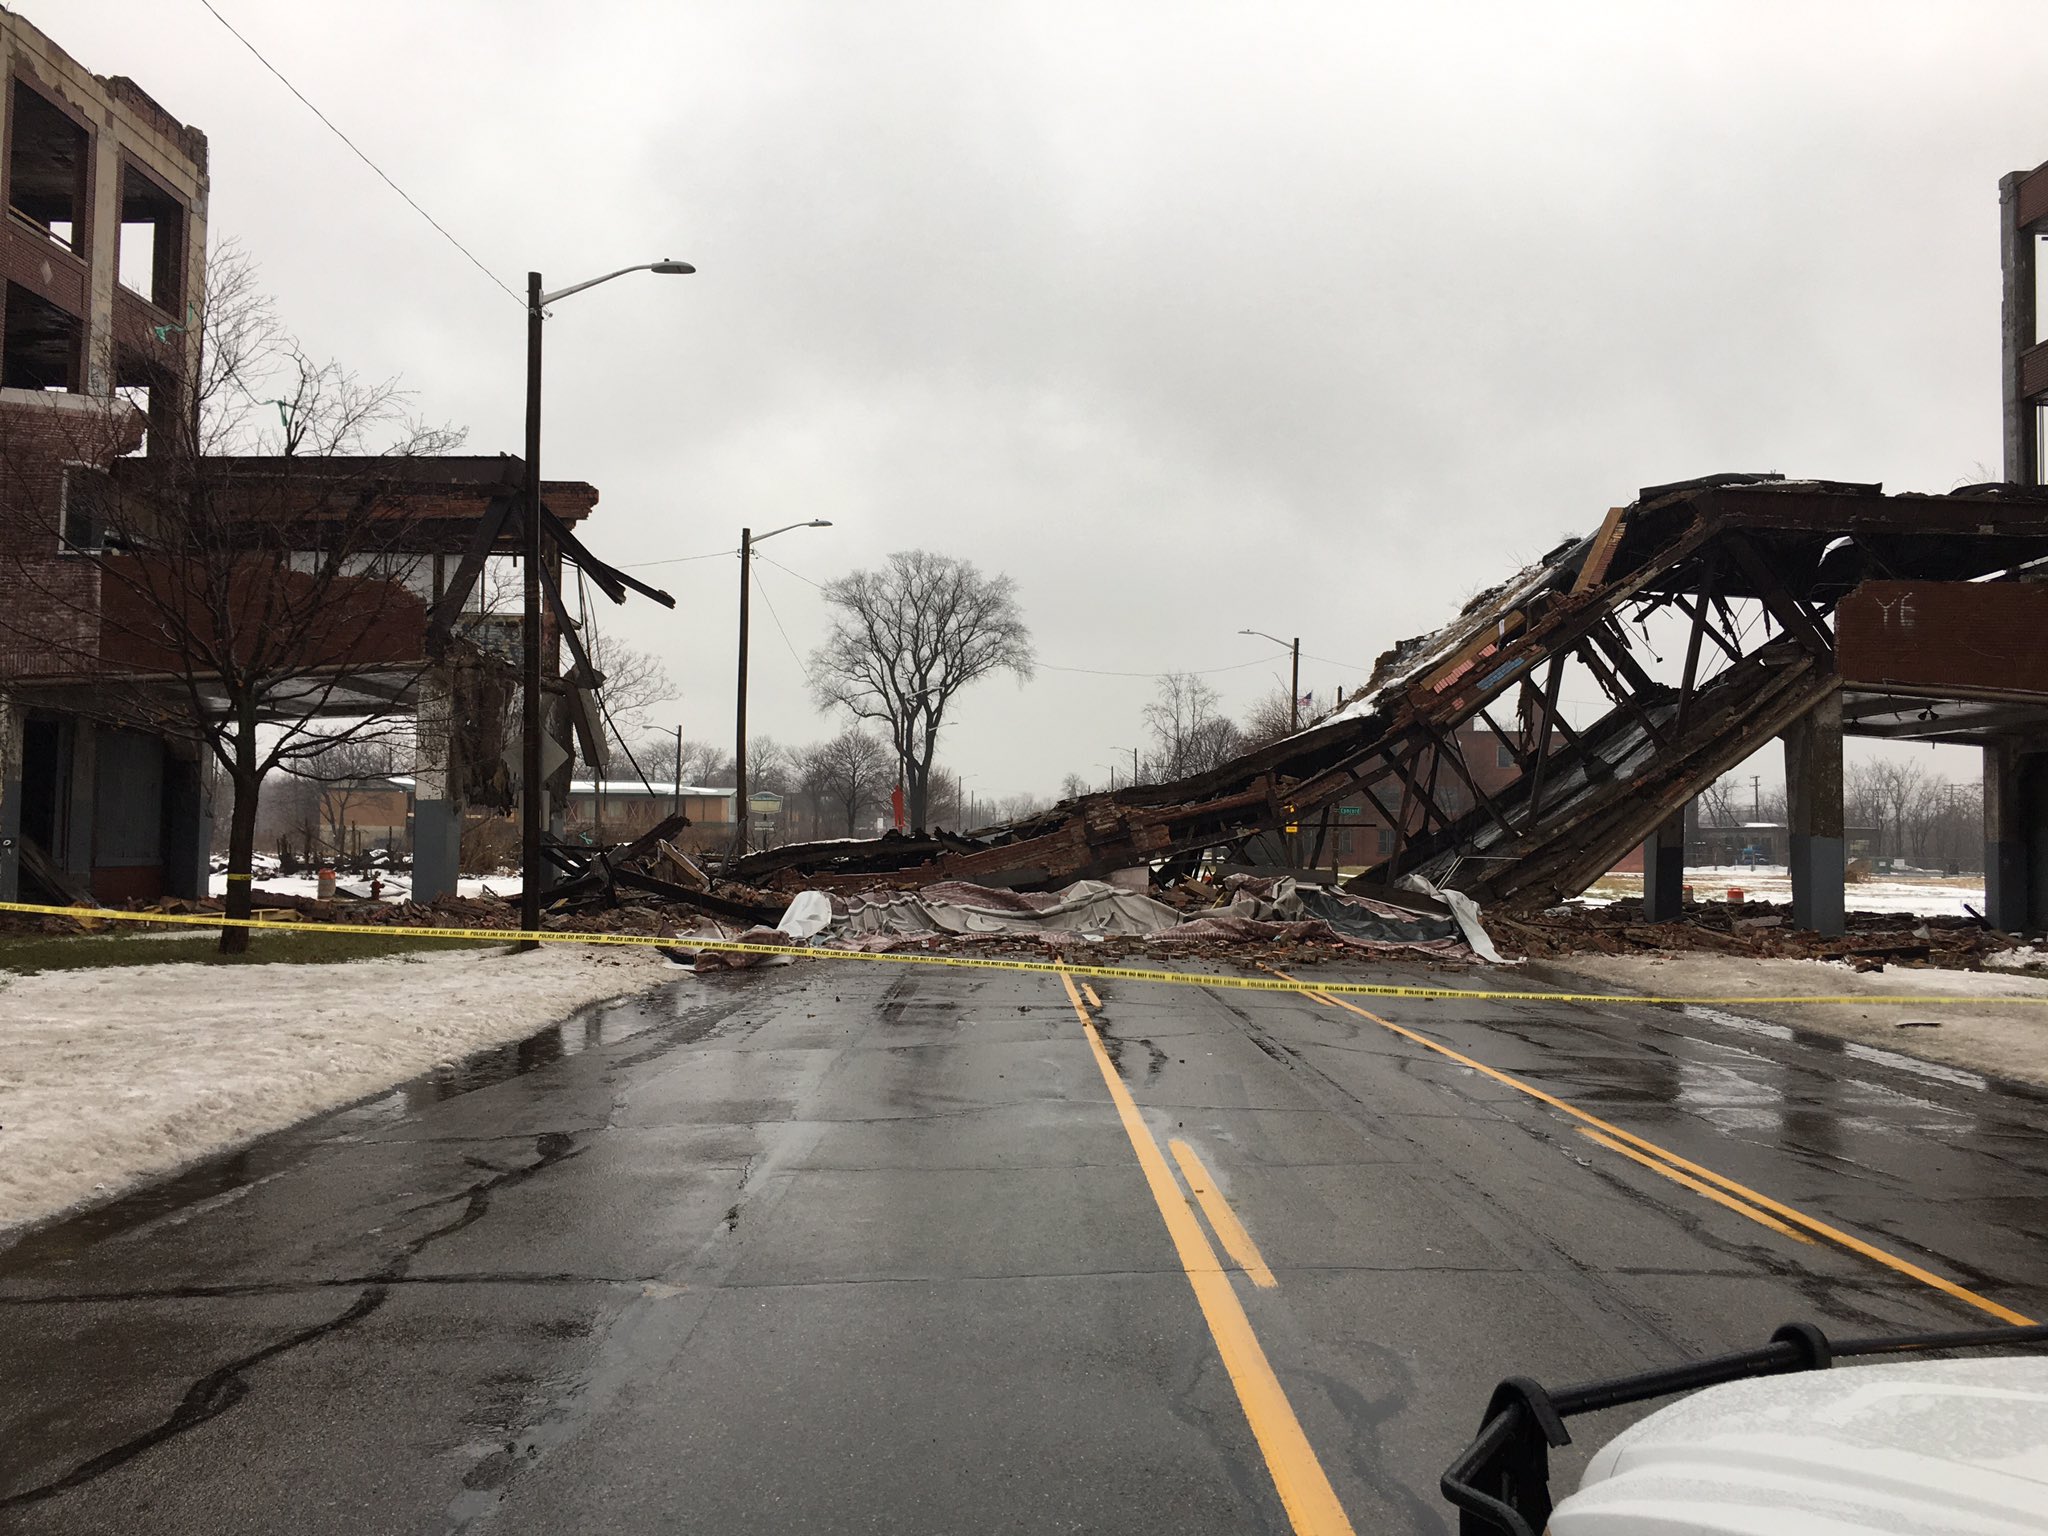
x,y
1940,1447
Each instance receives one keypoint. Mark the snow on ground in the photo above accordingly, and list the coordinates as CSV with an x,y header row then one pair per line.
x,y
2009,1039
109,1077
397,886
1925,896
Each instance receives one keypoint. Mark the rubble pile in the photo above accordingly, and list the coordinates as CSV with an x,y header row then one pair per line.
x,y
1753,930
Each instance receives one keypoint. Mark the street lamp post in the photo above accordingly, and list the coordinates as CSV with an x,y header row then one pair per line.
x,y
739,754
1292,840
531,546
1294,686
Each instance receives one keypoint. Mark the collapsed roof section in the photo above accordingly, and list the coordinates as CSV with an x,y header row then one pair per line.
x,y
1939,604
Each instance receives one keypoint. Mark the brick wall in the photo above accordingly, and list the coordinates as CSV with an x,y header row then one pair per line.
x,y
49,600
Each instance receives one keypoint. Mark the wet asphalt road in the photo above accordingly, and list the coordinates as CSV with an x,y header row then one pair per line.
x,y
869,1249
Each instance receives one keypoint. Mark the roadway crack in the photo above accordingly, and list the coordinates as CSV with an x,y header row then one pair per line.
x,y
223,1387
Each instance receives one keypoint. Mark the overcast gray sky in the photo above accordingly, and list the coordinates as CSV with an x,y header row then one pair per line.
x,y
1191,317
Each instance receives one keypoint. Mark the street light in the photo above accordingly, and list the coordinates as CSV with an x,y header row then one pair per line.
x,y
1294,688
537,302
739,754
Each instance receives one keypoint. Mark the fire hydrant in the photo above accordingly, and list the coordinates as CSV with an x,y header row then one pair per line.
x,y
326,877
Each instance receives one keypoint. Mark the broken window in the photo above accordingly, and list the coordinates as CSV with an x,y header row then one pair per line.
x,y
82,513
48,153
153,392
43,344
152,241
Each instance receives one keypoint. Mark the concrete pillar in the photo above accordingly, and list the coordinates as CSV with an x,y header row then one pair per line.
x,y
77,854
2007,900
1813,809
12,722
436,811
188,820
1664,871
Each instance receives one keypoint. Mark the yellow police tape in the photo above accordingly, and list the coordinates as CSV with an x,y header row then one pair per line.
x,y
976,963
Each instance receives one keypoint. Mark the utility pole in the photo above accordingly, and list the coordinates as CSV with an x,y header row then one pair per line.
x,y
1756,797
679,771
739,754
530,791
1134,765
1294,690
530,548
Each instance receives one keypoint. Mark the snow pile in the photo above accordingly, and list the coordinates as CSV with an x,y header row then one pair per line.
x,y
397,886
123,1074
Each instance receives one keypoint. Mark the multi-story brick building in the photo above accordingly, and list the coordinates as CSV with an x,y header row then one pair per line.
x,y
103,256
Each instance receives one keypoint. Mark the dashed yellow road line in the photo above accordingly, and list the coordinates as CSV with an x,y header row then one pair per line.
x,y
1237,1242
1812,1224
1695,1185
1305,1492
1089,993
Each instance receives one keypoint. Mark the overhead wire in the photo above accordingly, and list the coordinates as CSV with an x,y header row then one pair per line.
x,y
641,565
358,153
604,709
762,588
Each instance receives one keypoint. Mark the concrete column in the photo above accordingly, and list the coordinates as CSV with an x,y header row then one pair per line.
x,y
1813,808
2007,900
12,721
188,823
1664,871
77,855
436,812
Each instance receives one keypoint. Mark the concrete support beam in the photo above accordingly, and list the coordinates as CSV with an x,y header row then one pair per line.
x,y
188,822
11,724
2008,902
436,813
1813,809
2017,249
77,854
1664,872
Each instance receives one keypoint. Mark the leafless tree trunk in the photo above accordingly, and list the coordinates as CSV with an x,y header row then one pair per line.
x,y
905,639
233,600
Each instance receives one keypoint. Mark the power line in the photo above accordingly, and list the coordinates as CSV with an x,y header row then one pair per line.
x,y
799,575
642,565
394,186
763,589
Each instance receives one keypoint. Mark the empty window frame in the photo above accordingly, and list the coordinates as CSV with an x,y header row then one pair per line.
x,y
49,156
152,245
82,513
43,346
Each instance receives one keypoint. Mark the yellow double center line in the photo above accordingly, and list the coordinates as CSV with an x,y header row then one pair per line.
x,y
1305,1492
1717,1187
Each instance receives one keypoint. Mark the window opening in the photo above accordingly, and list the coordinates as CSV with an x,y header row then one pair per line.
x,y
43,346
47,158
82,521
152,240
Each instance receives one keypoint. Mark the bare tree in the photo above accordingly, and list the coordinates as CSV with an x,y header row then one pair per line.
x,y
1188,735
706,763
905,639
1073,787
771,767
632,683
851,774
343,776
1717,803
1270,719
247,572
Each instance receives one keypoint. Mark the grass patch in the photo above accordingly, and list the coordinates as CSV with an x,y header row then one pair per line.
x,y
26,954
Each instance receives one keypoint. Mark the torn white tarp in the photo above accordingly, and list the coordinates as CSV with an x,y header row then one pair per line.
x,y
1258,910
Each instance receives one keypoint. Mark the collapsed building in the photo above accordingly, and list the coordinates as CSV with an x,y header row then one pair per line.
x,y
1805,611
